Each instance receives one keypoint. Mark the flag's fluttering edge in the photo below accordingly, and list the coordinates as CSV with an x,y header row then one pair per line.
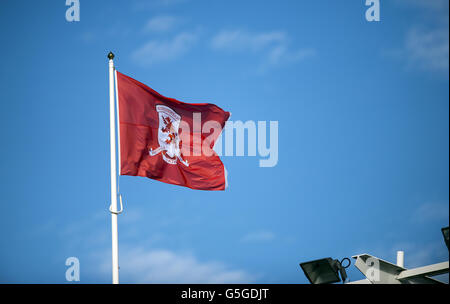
x,y
169,140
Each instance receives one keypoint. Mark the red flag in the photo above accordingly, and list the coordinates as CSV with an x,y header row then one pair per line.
x,y
169,140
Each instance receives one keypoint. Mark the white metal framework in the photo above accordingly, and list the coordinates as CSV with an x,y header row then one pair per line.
x,y
378,271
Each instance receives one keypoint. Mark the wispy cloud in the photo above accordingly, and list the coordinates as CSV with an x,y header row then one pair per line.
x,y
84,231
426,4
160,24
431,212
164,266
428,49
155,51
88,37
426,43
260,236
274,46
241,40
139,5
281,53
169,2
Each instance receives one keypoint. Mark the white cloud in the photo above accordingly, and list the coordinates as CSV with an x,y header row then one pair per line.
x,y
280,54
428,48
261,236
156,51
165,266
426,42
241,40
160,24
88,37
140,5
274,46
169,2
431,212
427,4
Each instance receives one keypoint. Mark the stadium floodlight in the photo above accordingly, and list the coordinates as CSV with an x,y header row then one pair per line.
x,y
445,234
325,271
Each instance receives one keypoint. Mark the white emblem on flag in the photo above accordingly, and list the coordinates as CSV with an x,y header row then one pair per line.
x,y
168,139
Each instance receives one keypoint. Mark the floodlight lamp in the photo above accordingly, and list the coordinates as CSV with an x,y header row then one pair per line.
x,y
445,234
325,271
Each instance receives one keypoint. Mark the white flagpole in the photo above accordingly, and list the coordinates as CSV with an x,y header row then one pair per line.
x,y
113,207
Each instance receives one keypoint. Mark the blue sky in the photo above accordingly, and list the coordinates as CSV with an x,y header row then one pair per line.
x,y
363,118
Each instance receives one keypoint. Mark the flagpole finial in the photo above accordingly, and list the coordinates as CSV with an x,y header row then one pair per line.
x,y
111,56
